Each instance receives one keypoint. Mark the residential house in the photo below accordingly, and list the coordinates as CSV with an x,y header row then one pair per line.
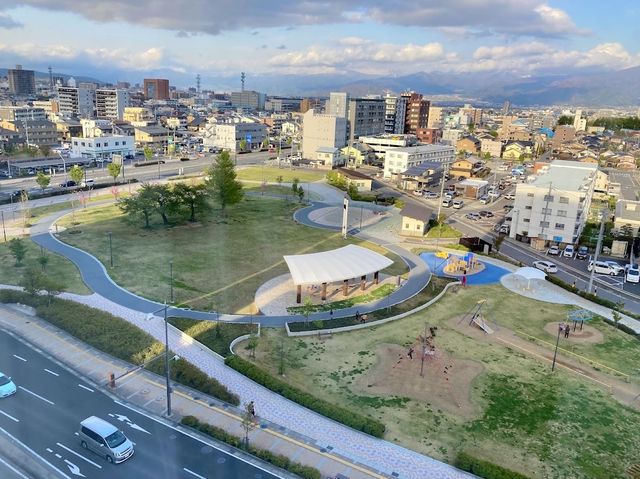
x,y
462,167
151,136
415,220
361,181
420,176
516,150
468,144
328,157
359,154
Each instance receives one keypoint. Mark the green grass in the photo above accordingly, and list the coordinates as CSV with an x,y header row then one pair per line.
x,y
381,292
270,174
58,267
217,336
284,191
218,264
443,231
525,418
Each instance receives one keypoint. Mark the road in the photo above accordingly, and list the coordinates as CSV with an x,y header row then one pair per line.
x,y
46,412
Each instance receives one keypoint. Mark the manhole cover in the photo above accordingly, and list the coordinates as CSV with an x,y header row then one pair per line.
x,y
144,391
206,450
221,460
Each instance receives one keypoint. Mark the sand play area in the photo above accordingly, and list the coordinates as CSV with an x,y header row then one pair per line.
x,y
446,383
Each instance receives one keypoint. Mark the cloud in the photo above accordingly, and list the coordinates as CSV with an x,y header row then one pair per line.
x,y
513,17
7,22
281,47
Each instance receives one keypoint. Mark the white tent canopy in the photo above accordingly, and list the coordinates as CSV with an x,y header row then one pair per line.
x,y
348,262
529,273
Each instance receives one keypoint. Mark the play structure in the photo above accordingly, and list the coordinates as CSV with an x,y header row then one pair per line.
x,y
474,316
460,265
579,316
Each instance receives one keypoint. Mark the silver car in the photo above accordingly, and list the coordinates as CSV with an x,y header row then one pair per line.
x,y
105,439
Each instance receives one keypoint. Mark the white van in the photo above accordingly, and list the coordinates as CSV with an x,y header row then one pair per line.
x,y
105,439
457,204
601,268
447,202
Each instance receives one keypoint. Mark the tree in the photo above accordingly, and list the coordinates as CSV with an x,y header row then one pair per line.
x,y
114,170
565,120
289,140
307,309
43,180
45,150
51,286
616,316
498,242
43,260
161,198
193,197
31,281
18,250
137,207
301,193
266,143
243,145
248,423
221,181
76,174
352,191
493,133
253,345
25,211
294,186
148,153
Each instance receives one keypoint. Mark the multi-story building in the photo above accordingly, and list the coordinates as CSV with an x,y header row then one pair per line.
x,y
156,89
35,132
554,208
337,104
563,134
322,131
382,143
429,136
450,136
282,105
248,100
152,136
22,113
366,117
436,117
474,114
395,111
138,116
50,107
76,101
232,136
398,160
102,147
95,128
491,146
21,82
417,112
311,104
110,103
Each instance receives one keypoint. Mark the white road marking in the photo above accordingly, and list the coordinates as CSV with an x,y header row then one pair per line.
x,y
75,470
49,450
36,395
85,387
9,416
13,468
193,473
79,455
20,358
58,455
51,372
24,446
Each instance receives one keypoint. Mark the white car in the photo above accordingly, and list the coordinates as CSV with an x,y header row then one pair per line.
x,y
632,274
484,199
546,266
431,195
7,387
553,250
568,251
457,204
510,196
417,192
617,267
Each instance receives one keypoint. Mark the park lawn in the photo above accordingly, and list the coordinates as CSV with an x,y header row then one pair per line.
x,y
524,417
283,191
217,336
270,174
443,231
58,267
218,264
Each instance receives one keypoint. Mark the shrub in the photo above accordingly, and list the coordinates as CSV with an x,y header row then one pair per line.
x,y
283,462
349,418
484,469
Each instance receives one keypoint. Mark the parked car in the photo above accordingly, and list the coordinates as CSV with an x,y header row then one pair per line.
x,y
67,184
88,183
569,251
7,387
583,252
510,196
431,195
617,267
484,199
601,267
554,250
504,229
472,216
447,202
417,192
494,195
486,214
508,207
457,204
546,266
632,273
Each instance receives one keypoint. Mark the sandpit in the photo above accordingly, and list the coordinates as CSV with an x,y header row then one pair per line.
x,y
588,334
446,383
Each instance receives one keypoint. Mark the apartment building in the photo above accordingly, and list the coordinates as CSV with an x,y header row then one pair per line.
x,y
22,113
35,132
248,100
322,131
417,112
398,160
365,117
450,136
395,111
337,104
491,146
382,143
21,82
110,103
138,116
436,117
156,89
230,135
76,101
554,208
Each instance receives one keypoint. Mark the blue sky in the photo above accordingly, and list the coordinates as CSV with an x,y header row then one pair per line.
x,y
126,39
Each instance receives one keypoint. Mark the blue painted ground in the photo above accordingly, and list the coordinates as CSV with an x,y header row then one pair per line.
x,y
489,275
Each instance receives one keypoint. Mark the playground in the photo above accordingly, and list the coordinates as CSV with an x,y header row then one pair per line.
x,y
486,386
455,265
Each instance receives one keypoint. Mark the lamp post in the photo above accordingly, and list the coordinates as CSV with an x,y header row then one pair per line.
x,y
555,353
4,230
171,281
110,249
166,353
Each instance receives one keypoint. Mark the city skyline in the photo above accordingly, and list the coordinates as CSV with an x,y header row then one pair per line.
x,y
117,41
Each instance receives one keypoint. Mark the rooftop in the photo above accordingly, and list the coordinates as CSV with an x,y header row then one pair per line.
x,y
566,175
417,212
422,148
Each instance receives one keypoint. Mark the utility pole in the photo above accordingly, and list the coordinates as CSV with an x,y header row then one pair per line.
x,y
445,169
598,246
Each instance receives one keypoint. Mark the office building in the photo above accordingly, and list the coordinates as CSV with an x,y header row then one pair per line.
x,y
395,110
110,103
156,89
102,147
22,113
311,104
138,116
231,136
436,117
337,104
282,105
382,143
365,117
21,82
76,101
555,207
322,131
248,100
399,160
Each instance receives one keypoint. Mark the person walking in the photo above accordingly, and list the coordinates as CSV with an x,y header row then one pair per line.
x,y
251,409
567,330
464,280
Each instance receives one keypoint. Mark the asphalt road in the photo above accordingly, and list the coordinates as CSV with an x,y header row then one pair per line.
x,y
50,403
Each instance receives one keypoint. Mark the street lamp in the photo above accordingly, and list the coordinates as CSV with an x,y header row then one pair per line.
x,y
171,280
166,352
555,353
110,249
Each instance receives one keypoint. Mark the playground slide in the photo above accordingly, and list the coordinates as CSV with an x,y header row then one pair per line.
x,y
482,325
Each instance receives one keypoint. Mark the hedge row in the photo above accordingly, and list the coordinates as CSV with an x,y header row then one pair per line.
x,y
485,469
283,462
118,338
349,418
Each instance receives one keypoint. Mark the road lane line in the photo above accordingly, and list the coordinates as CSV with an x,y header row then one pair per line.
x,y
49,449
51,372
85,387
9,416
193,473
36,395
20,358
79,455
18,441
13,468
58,455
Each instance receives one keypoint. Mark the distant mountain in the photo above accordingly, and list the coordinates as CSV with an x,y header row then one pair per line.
x,y
45,75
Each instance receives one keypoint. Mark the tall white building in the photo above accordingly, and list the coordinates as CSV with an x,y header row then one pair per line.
x,y
395,113
230,135
579,123
76,101
399,160
322,131
337,104
554,208
436,117
110,103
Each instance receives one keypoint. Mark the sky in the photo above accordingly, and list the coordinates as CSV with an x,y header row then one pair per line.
x,y
128,39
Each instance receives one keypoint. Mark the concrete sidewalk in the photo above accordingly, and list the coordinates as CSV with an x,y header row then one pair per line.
x,y
146,391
